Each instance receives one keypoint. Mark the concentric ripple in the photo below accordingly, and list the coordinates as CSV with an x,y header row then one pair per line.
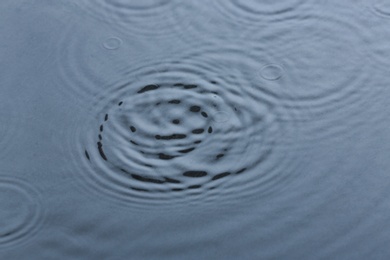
x,y
376,27
151,18
381,8
318,70
85,55
10,127
183,130
21,211
252,12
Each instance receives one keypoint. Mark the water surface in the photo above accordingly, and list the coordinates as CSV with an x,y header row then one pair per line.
x,y
194,129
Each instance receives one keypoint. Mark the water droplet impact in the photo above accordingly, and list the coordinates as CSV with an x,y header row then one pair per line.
x,y
271,72
112,43
167,125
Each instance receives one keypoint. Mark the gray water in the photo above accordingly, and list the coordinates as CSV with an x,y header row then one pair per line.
x,y
226,129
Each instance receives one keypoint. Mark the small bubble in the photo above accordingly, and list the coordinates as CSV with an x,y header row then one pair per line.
x,y
221,116
271,72
112,43
133,129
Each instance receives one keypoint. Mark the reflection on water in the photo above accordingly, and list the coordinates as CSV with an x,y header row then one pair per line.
x,y
194,130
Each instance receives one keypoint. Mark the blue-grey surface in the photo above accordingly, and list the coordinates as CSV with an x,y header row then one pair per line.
x,y
226,129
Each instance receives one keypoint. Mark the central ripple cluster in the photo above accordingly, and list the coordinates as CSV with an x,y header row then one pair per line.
x,y
157,136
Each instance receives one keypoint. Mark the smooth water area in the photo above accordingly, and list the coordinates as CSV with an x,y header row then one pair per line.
x,y
225,129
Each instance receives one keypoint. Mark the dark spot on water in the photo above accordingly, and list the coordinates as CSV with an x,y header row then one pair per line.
x,y
87,155
123,170
204,114
120,103
198,131
190,86
100,137
174,101
220,176
213,82
187,150
176,121
106,117
6,234
170,180
146,179
195,174
148,88
176,189
197,142
220,155
192,187
101,128
210,130
133,129
163,156
241,171
170,137
195,109
101,152
178,84
131,141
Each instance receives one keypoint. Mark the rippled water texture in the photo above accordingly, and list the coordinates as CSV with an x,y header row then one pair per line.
x,y
226,129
